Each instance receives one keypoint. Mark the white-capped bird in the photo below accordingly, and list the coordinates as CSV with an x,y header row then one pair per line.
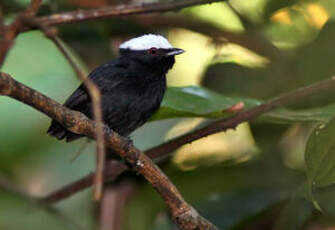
x,y
132,86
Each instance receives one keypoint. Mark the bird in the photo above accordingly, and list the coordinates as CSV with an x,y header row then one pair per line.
x,y
131,87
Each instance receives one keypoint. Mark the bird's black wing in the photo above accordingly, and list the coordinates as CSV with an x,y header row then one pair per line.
x,y
78,97
105,76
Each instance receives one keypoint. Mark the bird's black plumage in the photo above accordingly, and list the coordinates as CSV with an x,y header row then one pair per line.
x,y
132,88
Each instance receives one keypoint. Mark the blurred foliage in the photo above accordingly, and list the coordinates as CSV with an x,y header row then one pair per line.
x,y
274,173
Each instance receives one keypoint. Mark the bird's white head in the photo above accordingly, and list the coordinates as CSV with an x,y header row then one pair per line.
x,y
146,42
151,51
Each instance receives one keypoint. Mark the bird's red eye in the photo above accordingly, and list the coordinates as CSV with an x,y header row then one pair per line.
x,y
152,50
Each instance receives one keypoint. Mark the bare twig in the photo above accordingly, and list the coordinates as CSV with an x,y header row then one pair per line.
x,y
183,214
121,10
94,93
164,149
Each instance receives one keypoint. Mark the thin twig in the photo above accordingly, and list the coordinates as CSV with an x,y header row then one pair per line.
x,y
219,126
183,214
95,95
120,10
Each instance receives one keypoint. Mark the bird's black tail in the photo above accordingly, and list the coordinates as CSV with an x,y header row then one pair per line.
x,y
58,131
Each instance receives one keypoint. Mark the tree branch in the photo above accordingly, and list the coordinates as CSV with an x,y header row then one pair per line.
x,y
120,10
113,170
183,214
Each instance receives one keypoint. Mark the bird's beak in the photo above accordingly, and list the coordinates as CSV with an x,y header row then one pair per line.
x,y
174,51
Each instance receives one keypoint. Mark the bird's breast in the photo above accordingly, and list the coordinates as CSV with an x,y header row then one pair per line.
x,y
136,104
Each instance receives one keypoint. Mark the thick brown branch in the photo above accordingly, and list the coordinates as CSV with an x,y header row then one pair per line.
x,y
183,214
164,149
121,10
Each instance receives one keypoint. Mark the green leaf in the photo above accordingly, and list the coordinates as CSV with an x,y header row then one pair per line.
x,y
196,101
320,155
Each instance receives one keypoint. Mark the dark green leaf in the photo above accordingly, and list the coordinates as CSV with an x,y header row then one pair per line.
x,y
195,101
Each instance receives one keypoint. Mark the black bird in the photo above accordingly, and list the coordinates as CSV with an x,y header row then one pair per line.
x,y
132,86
